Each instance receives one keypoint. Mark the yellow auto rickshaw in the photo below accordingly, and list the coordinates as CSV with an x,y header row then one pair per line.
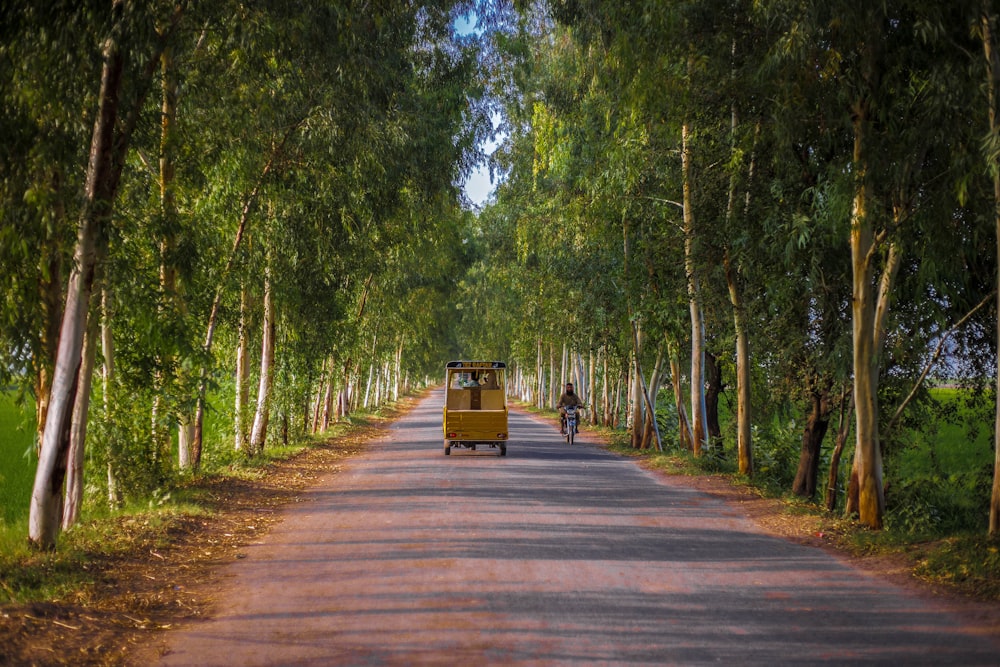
x,y
475,406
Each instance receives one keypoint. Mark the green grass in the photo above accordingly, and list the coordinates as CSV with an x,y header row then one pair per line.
x,y
65,574
17,459
962,444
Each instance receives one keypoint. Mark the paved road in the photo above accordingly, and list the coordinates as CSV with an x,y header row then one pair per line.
x,y
551,555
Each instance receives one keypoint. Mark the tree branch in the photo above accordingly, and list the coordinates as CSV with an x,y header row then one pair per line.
x,y
933,360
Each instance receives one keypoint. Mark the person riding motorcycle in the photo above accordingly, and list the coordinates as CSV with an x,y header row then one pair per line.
x,y
569,398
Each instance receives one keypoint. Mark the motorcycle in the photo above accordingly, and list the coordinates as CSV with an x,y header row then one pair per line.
x,y
570,423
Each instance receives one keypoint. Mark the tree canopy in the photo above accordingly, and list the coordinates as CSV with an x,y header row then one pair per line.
x,y
793,204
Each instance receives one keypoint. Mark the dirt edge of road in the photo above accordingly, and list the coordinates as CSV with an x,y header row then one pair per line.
x,y
173,579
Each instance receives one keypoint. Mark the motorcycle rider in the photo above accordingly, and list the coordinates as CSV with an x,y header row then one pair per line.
x,y
567,399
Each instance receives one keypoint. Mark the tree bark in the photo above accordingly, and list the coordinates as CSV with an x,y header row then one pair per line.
x,y
602,402
213,315
698,409
635,392
812,440
259,432
744,442
168,272
242,374
843,430
50,292
107,379
992,57
651,429
868,453
683,426
78,432
46,509
714,388
553,378
592,388
539,376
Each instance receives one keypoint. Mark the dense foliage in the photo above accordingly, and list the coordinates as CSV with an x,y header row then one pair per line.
x,y
271,185
788,202
724,220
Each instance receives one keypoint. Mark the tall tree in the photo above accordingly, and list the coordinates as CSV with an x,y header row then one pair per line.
x,y
109,146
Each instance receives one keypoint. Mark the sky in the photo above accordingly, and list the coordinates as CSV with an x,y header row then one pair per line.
x,y
477,186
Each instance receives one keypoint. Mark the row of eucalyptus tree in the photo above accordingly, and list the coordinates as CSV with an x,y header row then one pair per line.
x,y
797,194
191,190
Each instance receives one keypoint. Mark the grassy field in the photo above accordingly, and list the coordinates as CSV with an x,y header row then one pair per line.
x,y
17,460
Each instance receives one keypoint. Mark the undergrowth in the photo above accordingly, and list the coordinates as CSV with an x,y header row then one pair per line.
x,y
143,523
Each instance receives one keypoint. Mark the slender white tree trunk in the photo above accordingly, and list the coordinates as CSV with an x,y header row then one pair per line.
x,y
241,410
399,371
744,431
698,408
50,287
553,378
107,377
540,374
683,425
45,511
78,432
258,434
650,427
592,388
744,442
368,386
635,421
563,375
605,389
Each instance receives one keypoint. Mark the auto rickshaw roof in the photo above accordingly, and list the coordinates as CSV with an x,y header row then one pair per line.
x,y
477,364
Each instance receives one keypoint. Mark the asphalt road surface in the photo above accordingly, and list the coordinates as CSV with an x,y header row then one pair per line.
x,y
550,555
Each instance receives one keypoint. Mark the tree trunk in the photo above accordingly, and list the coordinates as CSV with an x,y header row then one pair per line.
x,y
258,434
213,315
321,399
591,377
107,378
651,429
699,424
398,386
564,376
635,401
812,440
683,428
160,431
843,430
185,439
713,390
78,432
744,443
50,292
328,408
605,390
539,376
553,378
615,416
987,23
46,498
241,408
868,454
